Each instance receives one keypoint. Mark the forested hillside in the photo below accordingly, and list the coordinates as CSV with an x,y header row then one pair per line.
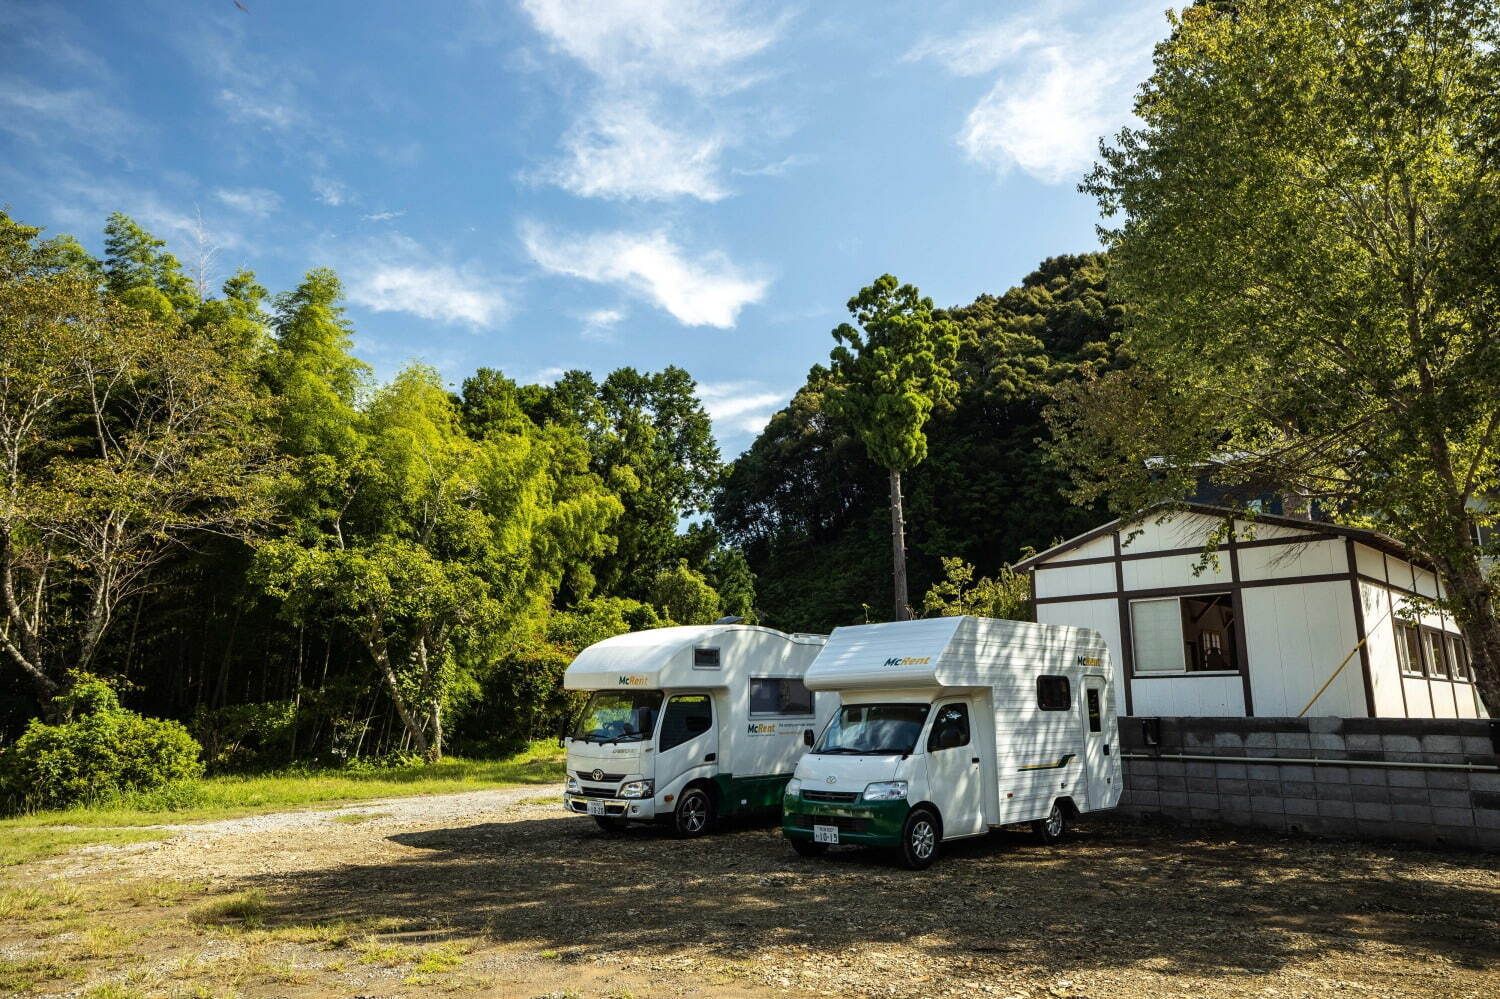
x,y
809,508
214,504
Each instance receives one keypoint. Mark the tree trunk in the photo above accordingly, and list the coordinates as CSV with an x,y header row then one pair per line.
x,y
375,641
1475,610
898,548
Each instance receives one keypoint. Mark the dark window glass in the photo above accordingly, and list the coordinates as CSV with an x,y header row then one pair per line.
x,y
874,729
1096,723
1458,655
1437,662
780,696
1208,624
1054,693
1409,649
950,729
705,658
687,715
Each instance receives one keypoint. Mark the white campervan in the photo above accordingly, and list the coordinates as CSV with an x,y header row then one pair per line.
x,y
689,724
949,727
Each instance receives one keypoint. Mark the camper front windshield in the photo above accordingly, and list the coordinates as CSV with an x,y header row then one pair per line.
x,y
618,716
874,729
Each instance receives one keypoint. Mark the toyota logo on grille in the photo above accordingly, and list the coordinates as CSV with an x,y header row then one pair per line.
x,y
597,775
831,780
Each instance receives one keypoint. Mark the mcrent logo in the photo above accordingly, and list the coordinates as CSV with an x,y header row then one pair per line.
x,y
897,661
763,728
632,680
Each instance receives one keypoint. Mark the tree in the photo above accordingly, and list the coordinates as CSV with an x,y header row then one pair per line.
x,y
123,436
888,377
1308,219
684,595
1007,596
138,271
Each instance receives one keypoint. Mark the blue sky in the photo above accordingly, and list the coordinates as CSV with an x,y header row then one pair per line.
x,y
538,185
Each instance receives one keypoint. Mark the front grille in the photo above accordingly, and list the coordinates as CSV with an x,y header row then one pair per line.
x,y
597,792
831,797
589,775
844,822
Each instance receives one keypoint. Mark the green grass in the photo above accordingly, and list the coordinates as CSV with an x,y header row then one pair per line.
x,y
229,797
20,845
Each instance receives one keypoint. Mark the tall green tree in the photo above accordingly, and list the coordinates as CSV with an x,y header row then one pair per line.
x,y
1307,224
888,376
139,271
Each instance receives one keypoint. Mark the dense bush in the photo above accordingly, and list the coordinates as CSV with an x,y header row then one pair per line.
x,y
101,749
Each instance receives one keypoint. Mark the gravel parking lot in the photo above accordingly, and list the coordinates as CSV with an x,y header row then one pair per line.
x,y
498,893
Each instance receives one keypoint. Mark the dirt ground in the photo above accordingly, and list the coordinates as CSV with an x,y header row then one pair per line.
x,y
500,894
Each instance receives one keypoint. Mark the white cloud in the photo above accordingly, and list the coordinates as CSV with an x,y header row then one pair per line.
x,y
329,191
621,151
250,200
778,168
1057,91
600,323
701,289
399,275
382,216
687,42
36,114
261,109
739,407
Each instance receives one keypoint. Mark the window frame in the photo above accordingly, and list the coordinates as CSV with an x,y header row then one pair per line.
x,y
1067,685
1230,647
1433,642
718,657
666,709
937,719
812,698
1457,648
1093,708
1404,664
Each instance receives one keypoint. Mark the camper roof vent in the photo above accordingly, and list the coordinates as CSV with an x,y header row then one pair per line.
x,y
729,619
705,659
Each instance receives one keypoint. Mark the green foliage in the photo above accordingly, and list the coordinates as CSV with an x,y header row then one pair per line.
x,y
891,373
103,750
1007,596
684,595
1306,224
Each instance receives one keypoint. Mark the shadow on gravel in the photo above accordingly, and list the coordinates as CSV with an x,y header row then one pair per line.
x,y
1112,895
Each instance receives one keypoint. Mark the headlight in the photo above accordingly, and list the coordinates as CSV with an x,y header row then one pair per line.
x,y
886,790
794,786
638,789
572,784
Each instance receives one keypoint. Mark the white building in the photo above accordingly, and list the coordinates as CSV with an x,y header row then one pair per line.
x,y
1260,628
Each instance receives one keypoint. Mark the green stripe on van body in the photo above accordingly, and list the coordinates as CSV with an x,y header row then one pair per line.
x,y
1064,761
759,794
884,820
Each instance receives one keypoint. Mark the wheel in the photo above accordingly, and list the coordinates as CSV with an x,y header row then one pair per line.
x,y
610,824
1053,827
919,840
695,813
807,848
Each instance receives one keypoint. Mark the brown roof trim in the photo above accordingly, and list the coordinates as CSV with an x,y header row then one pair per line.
x,y
1374,539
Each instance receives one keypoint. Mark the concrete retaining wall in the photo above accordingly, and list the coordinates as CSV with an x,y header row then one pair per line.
x,y
1425,780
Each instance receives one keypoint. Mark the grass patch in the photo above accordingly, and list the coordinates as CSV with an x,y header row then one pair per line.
x,y
21,845
230,797
372,950
20,974
248,908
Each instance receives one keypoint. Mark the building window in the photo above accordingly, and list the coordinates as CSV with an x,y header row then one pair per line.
x,y
1458,657
1409,648
1432,645
780,696
1053,693
1185,634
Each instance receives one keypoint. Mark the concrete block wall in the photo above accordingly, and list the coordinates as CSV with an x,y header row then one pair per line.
x,y
1328,776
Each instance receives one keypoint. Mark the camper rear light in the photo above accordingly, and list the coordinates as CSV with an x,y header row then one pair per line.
x,y
638,789
886,790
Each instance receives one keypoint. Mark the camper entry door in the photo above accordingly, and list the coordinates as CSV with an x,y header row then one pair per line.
x,y
953,770
1098,740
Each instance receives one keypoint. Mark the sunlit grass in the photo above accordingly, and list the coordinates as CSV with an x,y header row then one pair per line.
x,y
21,844
228,797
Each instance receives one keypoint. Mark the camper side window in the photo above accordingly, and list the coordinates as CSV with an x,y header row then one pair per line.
x,y
779,695
1054,693
687,715
950,729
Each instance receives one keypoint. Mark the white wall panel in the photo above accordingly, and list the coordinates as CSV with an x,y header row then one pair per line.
x,y
1418,703
1070,581
1249,529
1097,548
1297,636
1184,530
1369,561
1101,615
1203,696
1315,558
1173,570
1385,668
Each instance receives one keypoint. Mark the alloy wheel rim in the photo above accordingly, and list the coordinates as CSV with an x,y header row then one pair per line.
x,y
694,813
922,839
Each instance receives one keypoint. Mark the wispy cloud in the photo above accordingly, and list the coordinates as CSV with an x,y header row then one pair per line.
x,y
599,325
1056,91
330,191
37,114
698,289
400,275
647,56
743,407
778,168
255,201
382,216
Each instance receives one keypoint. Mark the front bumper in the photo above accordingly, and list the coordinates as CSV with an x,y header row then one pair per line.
x,y
614,808
863,823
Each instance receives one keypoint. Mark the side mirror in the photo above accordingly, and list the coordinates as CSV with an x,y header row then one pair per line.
x,y
562,731
807,737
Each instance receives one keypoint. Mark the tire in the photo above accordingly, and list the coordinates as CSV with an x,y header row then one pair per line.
x,y
920,839
807,848
694,815
1054,827
610,824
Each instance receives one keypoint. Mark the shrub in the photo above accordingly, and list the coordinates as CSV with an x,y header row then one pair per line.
x,y
103,750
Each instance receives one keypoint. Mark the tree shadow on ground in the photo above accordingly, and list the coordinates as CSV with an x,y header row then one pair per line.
x,y
1231,902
